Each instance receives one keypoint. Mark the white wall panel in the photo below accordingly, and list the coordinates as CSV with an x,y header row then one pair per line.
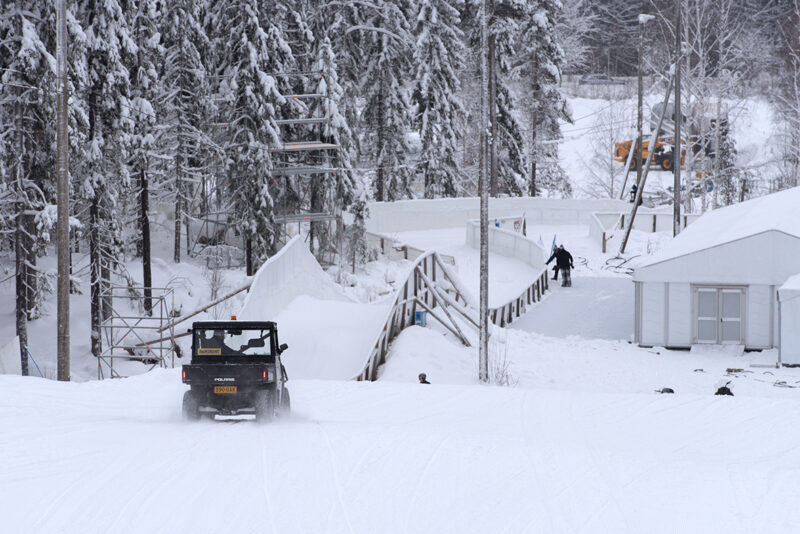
x,y
759,317
790,331
652,313
680,315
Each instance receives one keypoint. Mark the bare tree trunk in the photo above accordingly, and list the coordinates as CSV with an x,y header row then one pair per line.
x,y
144,223
105,260
94,260
178,208
249,257
21,279
534,124
62,229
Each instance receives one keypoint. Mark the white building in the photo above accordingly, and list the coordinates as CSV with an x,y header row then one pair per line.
x,y
717,281
789,317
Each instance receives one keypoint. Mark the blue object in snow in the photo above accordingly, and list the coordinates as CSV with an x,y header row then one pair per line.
x,y
421,318
709,185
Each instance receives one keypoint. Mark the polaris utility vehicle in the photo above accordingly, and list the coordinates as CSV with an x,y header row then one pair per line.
x,y
236,369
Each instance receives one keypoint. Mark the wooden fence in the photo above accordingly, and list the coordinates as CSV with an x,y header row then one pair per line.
x,y
508,312
428,287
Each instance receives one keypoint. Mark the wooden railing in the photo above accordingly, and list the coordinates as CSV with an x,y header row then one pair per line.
x,y
429,287
508,312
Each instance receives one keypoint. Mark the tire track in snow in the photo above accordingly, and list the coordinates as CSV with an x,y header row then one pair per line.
x,y
336,481
265,486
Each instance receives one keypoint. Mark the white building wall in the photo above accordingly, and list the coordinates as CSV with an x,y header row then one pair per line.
x,y
790,331
758,309
680,315
653,319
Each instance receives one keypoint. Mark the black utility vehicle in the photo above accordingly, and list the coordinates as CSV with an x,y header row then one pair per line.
x,y
236,369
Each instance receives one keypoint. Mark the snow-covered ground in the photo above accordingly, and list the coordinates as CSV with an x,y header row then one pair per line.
x,y
582,445
580,442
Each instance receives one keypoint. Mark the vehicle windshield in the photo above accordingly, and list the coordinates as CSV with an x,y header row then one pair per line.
x,y
233,342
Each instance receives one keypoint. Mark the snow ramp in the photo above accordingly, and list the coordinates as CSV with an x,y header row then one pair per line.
x,y
329,335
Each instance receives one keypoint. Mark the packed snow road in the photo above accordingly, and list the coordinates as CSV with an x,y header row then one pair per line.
x,y
114,456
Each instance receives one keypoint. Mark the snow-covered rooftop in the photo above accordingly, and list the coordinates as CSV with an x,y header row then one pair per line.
x,y
778,211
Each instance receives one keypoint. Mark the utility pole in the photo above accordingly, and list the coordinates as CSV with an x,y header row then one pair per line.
x,y
640,189
637,150
676,150
62,196
638,153
483,178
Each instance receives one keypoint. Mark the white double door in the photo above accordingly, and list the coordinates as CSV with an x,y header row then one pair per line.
x,y
719,315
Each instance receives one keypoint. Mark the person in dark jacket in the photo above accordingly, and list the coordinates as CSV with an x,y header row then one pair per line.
x,y
423,378
563,263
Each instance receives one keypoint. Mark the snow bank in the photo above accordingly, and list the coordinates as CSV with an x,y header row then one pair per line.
x,y
290,273
328,339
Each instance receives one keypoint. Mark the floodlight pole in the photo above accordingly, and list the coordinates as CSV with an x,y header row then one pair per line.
x,y
62,196
483,178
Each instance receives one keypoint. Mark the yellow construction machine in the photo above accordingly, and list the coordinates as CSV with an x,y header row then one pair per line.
x,y
662,155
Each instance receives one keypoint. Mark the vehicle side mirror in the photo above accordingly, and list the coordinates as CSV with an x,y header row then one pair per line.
x,y
282,348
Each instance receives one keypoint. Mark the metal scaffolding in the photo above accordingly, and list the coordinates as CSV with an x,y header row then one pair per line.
x,y
129,333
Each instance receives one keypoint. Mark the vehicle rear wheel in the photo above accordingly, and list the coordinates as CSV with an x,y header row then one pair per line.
x,y
191,408
286,403
666,163
634,163
264,406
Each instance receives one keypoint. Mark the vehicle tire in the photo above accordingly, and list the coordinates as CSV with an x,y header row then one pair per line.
x,y
264,405
286,403
666,163
634,164
191,408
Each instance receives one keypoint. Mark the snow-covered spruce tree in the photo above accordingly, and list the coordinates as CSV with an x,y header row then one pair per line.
x,y
543,58
505,24
185,107
250,44
386,114
438,58
357,251
26,111
108,43
335,191
728,177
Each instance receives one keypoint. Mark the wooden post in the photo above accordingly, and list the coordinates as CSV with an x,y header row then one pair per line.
x,y
654,223
604,242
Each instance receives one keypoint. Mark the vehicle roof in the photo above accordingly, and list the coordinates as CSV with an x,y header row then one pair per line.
x,y
234,324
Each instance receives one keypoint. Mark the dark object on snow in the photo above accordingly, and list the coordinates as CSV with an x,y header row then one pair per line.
x,y
235,369
423,378
564,263
724,390
555,272
665,390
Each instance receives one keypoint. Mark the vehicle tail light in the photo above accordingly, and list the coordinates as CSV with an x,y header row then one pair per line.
x,y
263,374
183,375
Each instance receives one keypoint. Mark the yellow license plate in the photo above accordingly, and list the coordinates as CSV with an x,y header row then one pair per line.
x,y
225,390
